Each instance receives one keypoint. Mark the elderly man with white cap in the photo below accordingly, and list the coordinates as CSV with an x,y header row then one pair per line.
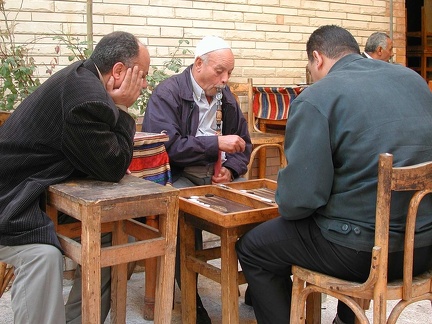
x,y
186,106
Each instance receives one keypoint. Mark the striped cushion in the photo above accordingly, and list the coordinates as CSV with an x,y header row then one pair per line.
x,y
272,102
151,162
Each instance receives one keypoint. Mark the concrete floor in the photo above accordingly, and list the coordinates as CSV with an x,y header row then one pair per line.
x,y
420,313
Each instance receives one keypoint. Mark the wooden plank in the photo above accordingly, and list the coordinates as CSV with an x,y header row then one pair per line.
x,y
125,253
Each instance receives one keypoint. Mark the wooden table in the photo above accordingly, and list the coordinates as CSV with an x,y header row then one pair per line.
x,y
263,189
110,207
228,213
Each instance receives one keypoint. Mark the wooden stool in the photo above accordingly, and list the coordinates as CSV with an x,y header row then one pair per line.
x,y
111,207
6,275
227,213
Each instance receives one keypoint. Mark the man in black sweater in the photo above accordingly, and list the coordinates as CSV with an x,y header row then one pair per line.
x,y
75,124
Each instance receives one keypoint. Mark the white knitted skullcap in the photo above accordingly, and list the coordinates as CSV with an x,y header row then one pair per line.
x,y
209,44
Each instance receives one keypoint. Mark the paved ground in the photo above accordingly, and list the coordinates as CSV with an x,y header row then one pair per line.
x,y
210,293
420,313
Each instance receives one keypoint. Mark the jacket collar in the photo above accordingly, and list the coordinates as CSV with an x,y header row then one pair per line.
x,y
347,59
185,82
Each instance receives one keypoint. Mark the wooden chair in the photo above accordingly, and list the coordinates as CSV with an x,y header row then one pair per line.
x,y
306,283
271,106
6,275
260,140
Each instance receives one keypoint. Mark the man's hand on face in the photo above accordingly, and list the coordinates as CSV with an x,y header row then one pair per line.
x,y
129,89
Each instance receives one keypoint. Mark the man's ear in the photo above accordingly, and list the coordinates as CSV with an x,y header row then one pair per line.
x,y
118,69
318,59
198,63
379,50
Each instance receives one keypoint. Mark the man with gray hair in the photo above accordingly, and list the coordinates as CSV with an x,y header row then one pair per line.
x,y
379,46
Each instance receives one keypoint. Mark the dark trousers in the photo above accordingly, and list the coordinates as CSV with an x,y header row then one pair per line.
x,y
267,252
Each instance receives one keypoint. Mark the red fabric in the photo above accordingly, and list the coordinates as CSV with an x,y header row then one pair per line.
x,y
272,102
151,162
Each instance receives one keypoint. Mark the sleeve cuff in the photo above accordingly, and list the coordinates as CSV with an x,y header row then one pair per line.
x,y
234,174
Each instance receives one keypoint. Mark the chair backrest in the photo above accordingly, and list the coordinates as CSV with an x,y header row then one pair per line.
x,y
272,102
244,89
265,102
418,180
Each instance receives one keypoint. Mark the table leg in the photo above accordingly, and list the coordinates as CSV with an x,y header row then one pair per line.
x,y
118,278
150,277
262,162
91,270
166,263
188,277
229,276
